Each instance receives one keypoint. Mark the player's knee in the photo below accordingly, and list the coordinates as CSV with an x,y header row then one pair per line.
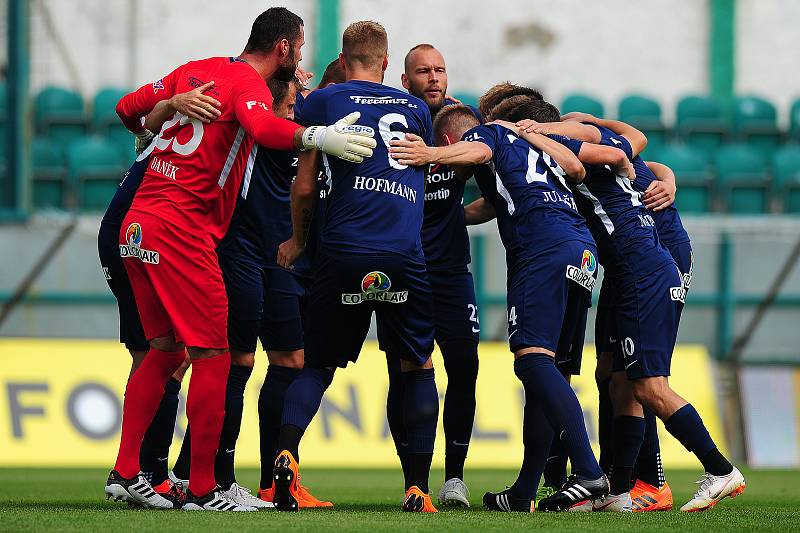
x,y
182,369
621,392
461,361
289,359
650,392
408,366
603,370
247,359
205,353
167,344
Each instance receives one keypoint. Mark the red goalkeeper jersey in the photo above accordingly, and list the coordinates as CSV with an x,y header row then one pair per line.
x,y
195,169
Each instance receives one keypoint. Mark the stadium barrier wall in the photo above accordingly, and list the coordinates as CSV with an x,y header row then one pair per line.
x,y
61,405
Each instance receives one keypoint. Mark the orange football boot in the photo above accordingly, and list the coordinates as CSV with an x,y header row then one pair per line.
x,y
417,501
305,500
646,498
286,482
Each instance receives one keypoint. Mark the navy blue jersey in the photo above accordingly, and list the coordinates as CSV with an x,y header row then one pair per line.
x,y
444,234
262,219
535,207
376,205
623,229
668,221
123,197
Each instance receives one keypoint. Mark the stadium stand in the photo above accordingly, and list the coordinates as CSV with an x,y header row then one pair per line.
x,y
644,113
50,187
583,103
95,167
695,183
699,122
60,114
786,185
754,122
742,179
794,121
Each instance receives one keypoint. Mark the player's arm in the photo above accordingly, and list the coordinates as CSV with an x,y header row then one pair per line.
x,y
133,106
479,212
661,192
303,198
636,138
573,130
414,152
193,104
562,155
596,154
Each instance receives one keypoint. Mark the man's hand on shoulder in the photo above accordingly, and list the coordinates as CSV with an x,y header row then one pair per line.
x,y
411,151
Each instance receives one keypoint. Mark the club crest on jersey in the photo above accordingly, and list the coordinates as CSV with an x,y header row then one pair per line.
x,y
158,86
375,287
581,277
133,236
588,262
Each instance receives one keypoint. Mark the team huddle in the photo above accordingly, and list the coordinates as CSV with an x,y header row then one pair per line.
x,y
261,209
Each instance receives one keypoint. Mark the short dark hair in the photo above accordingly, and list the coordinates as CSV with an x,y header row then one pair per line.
x,y
271,26
454,119
279,90
500,92
518,108
334,73
366,43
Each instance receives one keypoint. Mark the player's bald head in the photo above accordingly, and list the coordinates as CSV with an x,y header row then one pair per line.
x,y
452,122
518,108
365,45
500,92
425,75
421,50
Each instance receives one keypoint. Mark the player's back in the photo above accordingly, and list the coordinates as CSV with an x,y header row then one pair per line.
x,y
196,169
535,207
376,205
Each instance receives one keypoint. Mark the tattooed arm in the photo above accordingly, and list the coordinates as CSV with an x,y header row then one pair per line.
x,y
303,199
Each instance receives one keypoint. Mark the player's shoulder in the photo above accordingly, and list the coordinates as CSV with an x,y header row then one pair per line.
x,y
485,131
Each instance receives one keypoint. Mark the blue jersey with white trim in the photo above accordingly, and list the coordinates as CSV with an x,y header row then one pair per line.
x,y
262,218
668,221
444,234
535,207
622,228
376,205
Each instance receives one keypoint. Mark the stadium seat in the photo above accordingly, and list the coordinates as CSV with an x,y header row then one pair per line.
x,y
60,114
794,121
691,167
754,122
3,120
49,187
786,171
644,113
95,169
123,140
582,103
742,179
104,108
699,122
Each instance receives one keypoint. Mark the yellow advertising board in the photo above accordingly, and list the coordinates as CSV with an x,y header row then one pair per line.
x,y
61,405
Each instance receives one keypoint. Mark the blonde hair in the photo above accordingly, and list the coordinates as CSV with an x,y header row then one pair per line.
x,y
365,44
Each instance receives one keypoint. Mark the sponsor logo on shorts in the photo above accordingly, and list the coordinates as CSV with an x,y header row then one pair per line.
x,y
106,273
133,236
687,277
581,277
678,294
375,288
588,262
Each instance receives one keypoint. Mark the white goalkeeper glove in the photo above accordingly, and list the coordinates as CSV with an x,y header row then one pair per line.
x,y
143,140
344,139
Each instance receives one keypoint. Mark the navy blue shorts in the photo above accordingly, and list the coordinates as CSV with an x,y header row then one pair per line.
x,y
263,303
455,308
549,296
606,338
131,332
647,312
346,290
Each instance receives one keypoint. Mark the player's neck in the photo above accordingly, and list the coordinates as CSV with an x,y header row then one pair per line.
x,y
364,75
266,66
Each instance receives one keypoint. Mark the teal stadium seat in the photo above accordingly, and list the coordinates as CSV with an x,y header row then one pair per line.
x,y
645,114
95,169
692,175
786,171
699,122
582,103
467,98
60,114
794,121
754,122
49,166
106,122
742,179
3,122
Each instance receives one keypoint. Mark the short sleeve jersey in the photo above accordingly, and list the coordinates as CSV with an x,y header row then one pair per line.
x,y
375,206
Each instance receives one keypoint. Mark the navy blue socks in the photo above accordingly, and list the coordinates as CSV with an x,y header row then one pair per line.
x,y
461,364
302,402
686,425
420,414
270,411
537,436
628,437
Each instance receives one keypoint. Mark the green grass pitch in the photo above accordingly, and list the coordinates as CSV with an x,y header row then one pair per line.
x,y
369,500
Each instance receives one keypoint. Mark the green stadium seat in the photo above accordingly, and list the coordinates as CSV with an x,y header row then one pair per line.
x,y
467,98
60,114
123,140
645,114
691,167
754,122
104,112
794,120
3,120
49,166
742,179
95,169
699,122
786,171
582,103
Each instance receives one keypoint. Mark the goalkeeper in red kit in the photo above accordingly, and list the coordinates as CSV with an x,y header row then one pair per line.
x,y
179,214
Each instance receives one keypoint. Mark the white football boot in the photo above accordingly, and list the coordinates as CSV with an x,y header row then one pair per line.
x,y
454,493
714,488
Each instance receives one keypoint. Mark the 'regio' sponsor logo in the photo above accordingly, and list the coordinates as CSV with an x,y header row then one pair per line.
x,y
582,278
